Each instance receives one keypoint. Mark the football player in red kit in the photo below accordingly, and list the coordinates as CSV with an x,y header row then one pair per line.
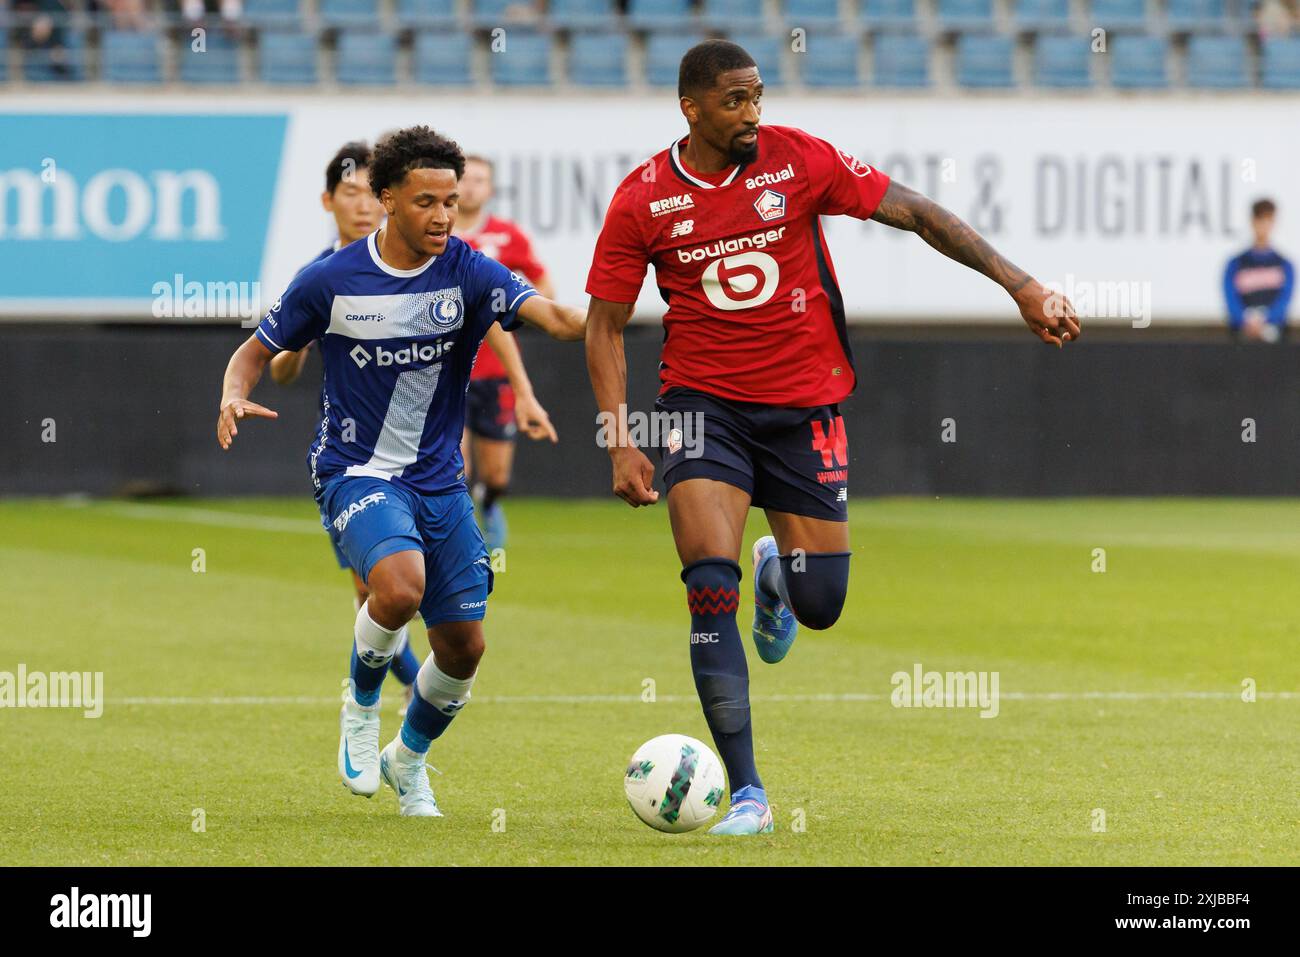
x,y
755,353
488,445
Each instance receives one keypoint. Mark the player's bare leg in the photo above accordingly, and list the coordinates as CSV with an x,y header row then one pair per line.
x,y
708,520
442,689
493,462
395,587
801,573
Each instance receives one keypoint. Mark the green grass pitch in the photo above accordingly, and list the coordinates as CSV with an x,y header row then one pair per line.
x,y
222,688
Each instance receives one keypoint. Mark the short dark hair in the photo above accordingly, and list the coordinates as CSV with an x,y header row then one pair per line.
x,y
350,158
416,147
1261,208
704,61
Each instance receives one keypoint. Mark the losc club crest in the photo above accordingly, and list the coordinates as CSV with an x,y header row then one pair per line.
x,y
770,205
446,311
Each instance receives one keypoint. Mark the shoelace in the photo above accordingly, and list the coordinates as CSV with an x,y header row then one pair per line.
x,y
739,808
419,784
363,747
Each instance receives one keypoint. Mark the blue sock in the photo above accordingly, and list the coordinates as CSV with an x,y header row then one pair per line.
x,y
438,698
718,661
405,665
366,679
372,650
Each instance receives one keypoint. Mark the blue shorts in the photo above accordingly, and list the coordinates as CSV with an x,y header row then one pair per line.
x,y
372,519
334,544
490,409
789,460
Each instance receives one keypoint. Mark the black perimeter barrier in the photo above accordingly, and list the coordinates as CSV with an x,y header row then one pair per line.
x,y
133,410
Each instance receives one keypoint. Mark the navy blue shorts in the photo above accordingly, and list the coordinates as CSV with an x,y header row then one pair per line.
x,y
490,409
373,519
789,460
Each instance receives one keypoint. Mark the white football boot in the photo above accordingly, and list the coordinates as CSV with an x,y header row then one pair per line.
x,y
359,746
410,779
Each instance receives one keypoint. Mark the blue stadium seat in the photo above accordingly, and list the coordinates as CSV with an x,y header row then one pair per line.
x,y
1196,16
365,58
901,62
659,14
767,51
663,56
831,61
1139,63
1280,63
722,14
218,63
598,59
1042,16
582,14
273,14
287,59
350,13
426,13
130,57
443,58
1217,63
487,14
811,13
525,61
966,16
40,67
1128,16
1063,62
4,54
889,14
985,62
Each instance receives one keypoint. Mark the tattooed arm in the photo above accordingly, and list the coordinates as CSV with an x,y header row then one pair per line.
x,y
1049,315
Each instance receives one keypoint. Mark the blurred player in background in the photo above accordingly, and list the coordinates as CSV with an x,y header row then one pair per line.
x,y
1258,283
399,317
489,443
756,350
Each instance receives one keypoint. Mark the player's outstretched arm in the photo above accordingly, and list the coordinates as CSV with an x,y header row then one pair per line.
x,y
1049,315
243,372
607,366
287,366
559,322
529,414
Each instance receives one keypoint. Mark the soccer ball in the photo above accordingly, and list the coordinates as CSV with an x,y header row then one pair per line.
x,y
674,783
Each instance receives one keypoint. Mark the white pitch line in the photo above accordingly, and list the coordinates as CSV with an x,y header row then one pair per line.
x,y
207,516
677,698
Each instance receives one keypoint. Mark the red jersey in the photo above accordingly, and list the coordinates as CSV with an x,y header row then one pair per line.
x,y
754,308
509,245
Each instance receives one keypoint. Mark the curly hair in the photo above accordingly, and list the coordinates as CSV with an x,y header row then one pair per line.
x,y
416,147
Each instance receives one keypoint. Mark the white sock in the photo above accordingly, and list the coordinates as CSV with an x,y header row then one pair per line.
x,y
375,644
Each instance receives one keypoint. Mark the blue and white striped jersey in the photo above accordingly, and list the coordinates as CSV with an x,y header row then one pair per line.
x,y
398,347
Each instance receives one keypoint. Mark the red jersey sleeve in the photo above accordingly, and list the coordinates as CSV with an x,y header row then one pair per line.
x,y
619,262
845,185
528,263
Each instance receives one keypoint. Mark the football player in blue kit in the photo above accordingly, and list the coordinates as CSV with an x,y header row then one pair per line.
x,y
398,318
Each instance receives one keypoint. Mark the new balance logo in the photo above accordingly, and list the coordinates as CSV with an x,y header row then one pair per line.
x,y
842,495
684,228
407,355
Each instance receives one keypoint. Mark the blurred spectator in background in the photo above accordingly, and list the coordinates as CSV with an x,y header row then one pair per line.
x,y
197,11
46,29
1277,18
1258,283
132,15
